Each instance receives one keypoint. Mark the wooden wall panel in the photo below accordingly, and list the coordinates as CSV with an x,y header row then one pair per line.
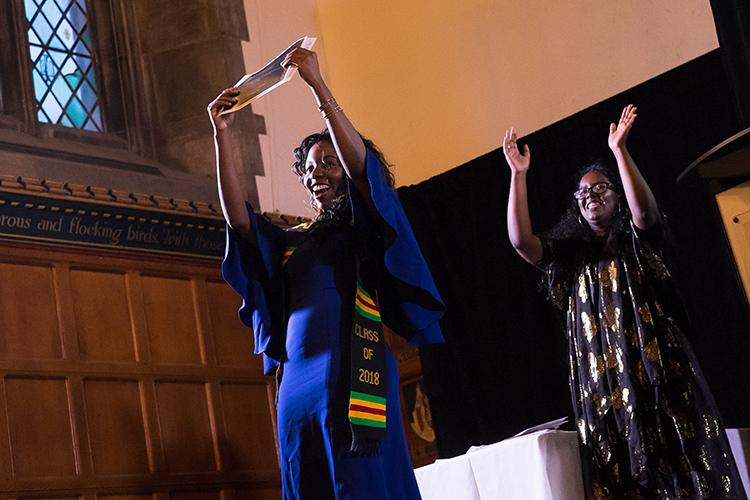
x,y
6,471
234,346
39,425
29,313
51,498
257,494
128,378
195,495
249,429
125,497
186,431
102,337
171,320
116,428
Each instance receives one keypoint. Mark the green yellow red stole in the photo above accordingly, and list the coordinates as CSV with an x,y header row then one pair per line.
x,y
368,373
368,383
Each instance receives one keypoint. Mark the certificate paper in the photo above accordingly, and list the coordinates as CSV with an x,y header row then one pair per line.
x,y
267,78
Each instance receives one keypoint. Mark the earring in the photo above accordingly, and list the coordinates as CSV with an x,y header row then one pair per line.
x,y
315,208
580,221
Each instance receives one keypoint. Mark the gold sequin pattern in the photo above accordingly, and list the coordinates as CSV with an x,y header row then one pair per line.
x,y
626,361
631,335
590,328
617,398
639,460
582,430
571,311
685,427
626,399
605,280
619,358
610,358
710,426
603,404
645,313
557,296
613,275
657,265
703,488
640,372
596,366
611,316
599,492
582,291
653,354
727,482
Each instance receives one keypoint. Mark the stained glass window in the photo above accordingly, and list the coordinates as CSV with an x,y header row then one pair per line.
x,y
63,64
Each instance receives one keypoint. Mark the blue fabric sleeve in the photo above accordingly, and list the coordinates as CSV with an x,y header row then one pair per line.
x,y
409,301
254,272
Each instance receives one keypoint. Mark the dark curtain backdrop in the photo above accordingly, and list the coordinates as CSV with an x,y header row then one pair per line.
x,y
503,366
732,19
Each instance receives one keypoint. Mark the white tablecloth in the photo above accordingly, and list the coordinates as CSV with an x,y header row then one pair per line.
x,y
739,440
545,465
542,466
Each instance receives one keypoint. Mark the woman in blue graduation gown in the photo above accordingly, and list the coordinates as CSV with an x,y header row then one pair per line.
x,y
314,296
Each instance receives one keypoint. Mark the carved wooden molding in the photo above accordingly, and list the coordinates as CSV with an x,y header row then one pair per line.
x,y
120,197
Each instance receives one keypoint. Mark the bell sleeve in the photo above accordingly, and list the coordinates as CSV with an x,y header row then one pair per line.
x,y
409,300
254,272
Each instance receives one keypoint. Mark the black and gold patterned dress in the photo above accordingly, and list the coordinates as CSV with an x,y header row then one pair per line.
x,y
646,419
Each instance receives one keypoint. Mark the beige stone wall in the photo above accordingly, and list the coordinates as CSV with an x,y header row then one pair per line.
x,y
289,112
158,66
436,82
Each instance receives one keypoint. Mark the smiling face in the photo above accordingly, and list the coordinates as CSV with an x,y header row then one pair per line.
x,y
597,208
324,176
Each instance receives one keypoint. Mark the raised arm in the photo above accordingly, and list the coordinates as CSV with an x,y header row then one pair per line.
x,y
227,176
527,244
640,199
346,139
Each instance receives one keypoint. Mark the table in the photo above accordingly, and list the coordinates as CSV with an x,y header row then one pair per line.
x,y
544,465
739,441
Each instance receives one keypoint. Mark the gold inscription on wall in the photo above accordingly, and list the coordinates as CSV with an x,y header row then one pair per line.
x,y
49,219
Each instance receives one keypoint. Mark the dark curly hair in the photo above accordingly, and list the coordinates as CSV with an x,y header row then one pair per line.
x,y
338,216
300,155
570,227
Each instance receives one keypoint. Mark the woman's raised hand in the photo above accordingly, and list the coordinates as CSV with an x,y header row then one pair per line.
x,y
618,134
519,162
226,99
306,62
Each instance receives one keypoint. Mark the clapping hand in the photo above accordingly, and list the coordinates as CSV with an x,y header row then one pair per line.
x,y
618,134
519,162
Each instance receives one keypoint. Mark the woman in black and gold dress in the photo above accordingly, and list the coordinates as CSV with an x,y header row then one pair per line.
x,y
646,419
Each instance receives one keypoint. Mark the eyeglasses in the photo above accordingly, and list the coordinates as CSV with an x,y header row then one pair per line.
x,y
598,188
